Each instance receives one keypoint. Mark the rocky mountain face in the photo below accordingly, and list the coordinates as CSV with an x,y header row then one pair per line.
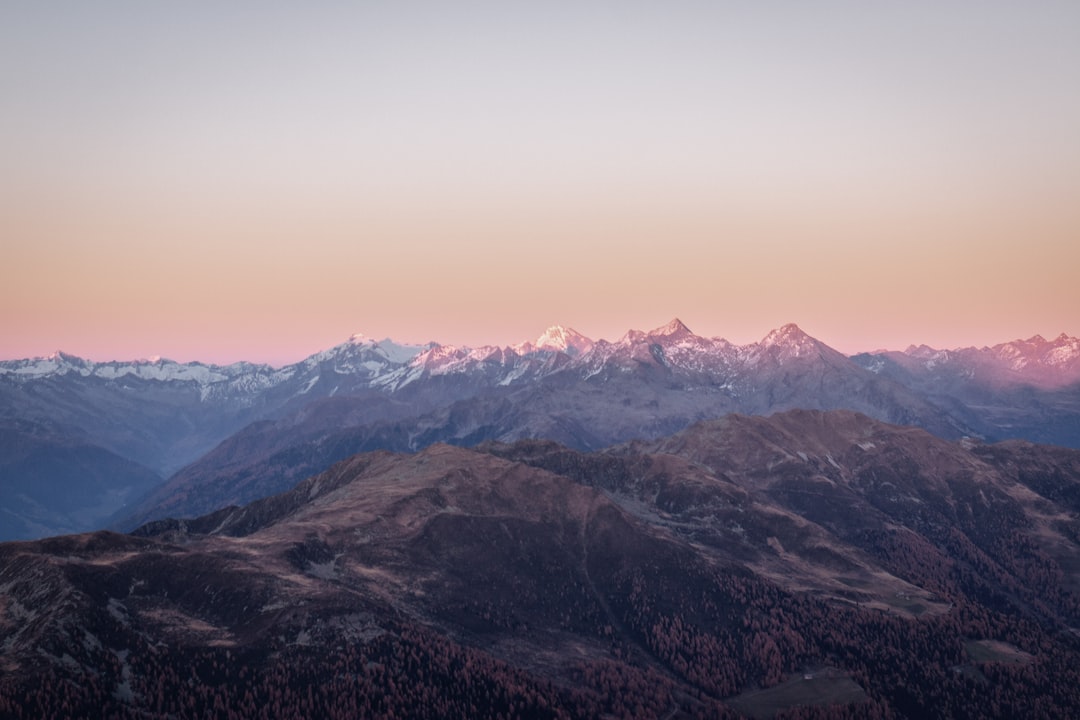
x,y
809,564
232,434
1036,362
155,414
1026,389
164,414
646,385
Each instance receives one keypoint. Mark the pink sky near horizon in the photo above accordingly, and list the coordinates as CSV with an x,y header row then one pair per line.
x,y
216,184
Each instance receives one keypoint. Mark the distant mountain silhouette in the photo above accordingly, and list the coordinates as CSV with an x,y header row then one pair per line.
x,y
233,433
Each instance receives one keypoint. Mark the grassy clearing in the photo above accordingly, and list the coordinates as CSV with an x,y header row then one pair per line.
x,y
914,606
982,651
828,686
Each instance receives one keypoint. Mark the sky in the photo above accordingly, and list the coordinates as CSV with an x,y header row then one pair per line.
x,y
260,180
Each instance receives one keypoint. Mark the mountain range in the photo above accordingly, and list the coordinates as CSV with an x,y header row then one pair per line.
x,y
809,564
183,439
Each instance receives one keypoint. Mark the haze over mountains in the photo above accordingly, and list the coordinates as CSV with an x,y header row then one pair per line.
x,y
231,434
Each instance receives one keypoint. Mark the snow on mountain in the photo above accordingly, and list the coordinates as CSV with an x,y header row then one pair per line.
x,y
789,340
490,364
387,365
674,331
1065,351
160,369
1035,361
672,347
165,414
58,363
363,358
1061,352
556,339
677,348
566,340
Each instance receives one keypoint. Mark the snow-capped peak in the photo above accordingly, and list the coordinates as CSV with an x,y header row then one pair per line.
x,y
787,335
919,351
1036,361
565,340
553,337
1065,350
154,368
1036,350
57,363
789,341
361,351
674,330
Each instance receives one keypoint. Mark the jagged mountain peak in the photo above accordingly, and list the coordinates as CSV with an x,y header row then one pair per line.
x,y
1055,355
674,329
790,339
1035,362
922,350
1038,342
786,335
156,367
387,348
563,339
65,358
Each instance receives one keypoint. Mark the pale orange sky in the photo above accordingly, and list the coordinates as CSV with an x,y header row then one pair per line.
x,y
260,182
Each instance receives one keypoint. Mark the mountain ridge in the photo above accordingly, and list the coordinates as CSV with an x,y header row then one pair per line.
x,y
554,338
834,566
364,394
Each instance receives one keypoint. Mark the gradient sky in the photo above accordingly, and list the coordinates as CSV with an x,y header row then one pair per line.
x,y
218,181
